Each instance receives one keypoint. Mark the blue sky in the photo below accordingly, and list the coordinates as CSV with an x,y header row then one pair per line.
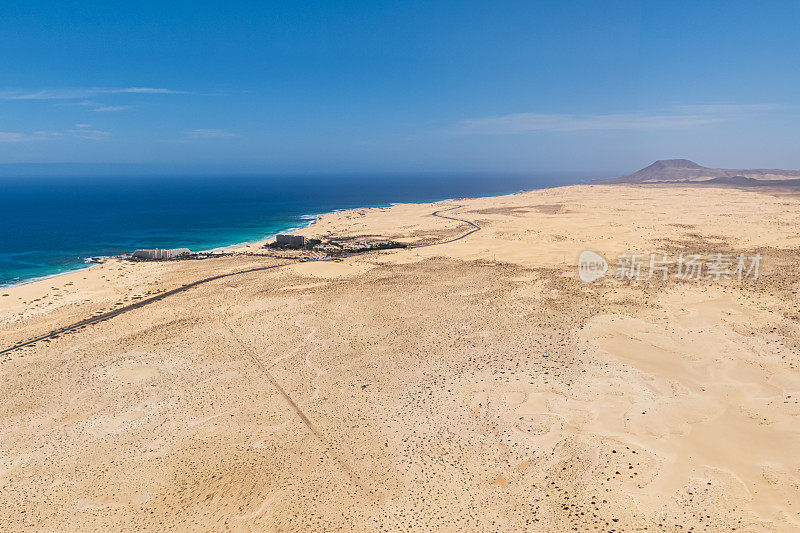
x,y
400,86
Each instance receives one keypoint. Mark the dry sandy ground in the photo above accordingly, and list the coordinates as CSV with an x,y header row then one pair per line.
x,y
476,385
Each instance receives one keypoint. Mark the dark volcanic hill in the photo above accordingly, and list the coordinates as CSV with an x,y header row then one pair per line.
x,y
680,170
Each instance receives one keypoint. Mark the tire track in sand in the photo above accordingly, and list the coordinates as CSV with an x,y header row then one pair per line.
x,y
329,448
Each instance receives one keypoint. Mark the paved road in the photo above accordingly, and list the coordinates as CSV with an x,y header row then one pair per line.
x,y
475,227
141,303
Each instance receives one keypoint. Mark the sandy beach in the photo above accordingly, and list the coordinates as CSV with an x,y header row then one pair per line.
x,y
476,384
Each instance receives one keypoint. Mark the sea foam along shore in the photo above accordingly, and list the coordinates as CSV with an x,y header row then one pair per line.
x,y
82,260
291,226
89,262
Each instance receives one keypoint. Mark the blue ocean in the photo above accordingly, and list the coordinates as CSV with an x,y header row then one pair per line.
x,y
50,225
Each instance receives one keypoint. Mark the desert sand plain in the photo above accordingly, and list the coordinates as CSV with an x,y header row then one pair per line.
x,y
476,385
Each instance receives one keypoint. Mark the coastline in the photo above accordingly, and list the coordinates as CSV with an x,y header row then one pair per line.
x,y
290,228
90,263
30,299
218,212
105,280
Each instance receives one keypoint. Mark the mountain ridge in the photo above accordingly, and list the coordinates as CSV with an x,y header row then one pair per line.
x,y
685,170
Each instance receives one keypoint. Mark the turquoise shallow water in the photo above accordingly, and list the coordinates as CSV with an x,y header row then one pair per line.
x,y
52,225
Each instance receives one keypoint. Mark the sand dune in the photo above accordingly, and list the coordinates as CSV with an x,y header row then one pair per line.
x,y
473,385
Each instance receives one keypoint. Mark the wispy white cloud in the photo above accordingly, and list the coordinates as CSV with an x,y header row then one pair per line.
x,y
79,131
111,108
684,116
147,90
75,94
96,106
209,134
89,134
729,108
15,137
532,122
85,131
